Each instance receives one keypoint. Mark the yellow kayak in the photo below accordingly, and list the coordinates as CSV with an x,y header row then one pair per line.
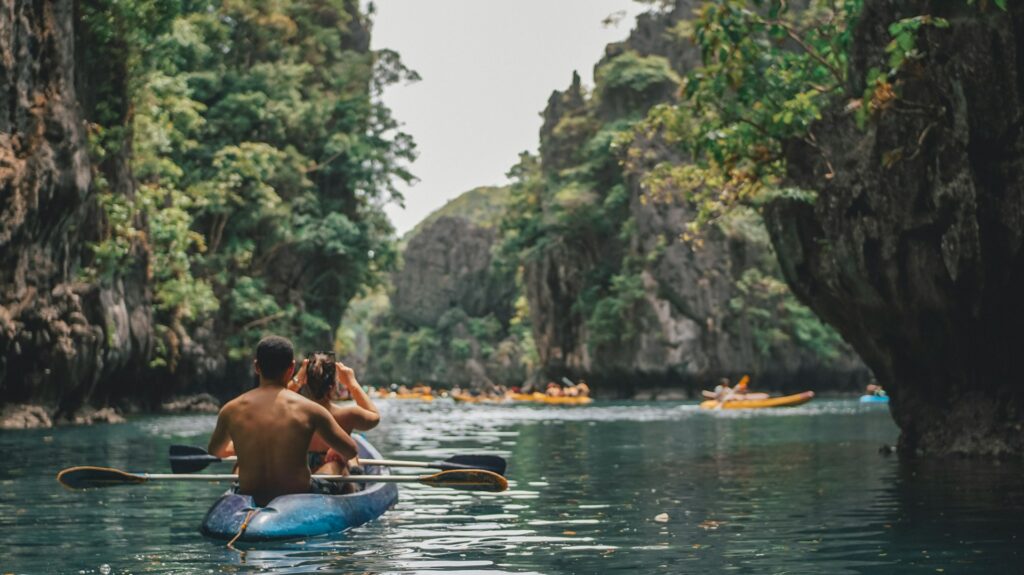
x,y
466,398
783,401
538,397
412,396
523,398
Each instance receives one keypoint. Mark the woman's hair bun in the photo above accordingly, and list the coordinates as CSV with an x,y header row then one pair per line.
x,y
320,374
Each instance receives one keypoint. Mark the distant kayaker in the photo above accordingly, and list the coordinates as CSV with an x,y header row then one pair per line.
x,y
722,390
272,427
582,389
321,375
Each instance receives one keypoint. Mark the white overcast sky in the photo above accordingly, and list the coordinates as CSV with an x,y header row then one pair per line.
x,y
488,68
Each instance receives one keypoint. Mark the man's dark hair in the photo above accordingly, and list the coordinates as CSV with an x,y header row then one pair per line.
x,y
274,354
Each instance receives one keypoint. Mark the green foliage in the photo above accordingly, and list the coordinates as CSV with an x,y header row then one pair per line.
x,y
111,252
461,349
768,72
422,350
635,80
180,296
610,323
264,158
586,203
904,38
776,318
439,354
351,340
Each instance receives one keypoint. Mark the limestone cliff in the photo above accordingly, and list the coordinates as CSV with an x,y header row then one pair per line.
x,y
452,303
626,303
913,249
447,262
62,341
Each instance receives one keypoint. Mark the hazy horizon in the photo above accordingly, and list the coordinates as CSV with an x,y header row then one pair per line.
x,y
488,68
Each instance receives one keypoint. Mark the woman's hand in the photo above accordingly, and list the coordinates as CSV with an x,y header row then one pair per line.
x,y
345,375
299,381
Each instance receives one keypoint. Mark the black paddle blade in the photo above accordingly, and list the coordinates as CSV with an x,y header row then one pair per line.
x,y
86,477
468,479
188,459
491,463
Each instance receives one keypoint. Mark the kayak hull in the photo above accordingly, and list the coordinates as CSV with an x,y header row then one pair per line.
x,y
461,398
549,400
524,398
303,514
783,401
408,396
874,399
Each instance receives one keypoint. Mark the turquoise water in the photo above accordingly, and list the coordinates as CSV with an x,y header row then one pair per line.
x,y
801,490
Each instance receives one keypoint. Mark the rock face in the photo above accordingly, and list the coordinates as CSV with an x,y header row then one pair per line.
x,y
451,308
62,341
695,318
447,265
19,416
913,249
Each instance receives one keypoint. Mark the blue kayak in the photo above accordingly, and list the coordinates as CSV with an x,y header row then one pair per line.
x,y
874,399
302,514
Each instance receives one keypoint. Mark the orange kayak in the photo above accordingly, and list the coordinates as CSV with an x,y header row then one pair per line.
x,y
466,398
544,398
524,398
413,396
783,401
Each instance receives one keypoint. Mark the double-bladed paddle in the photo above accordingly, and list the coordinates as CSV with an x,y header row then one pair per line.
x,y
468,479
188,459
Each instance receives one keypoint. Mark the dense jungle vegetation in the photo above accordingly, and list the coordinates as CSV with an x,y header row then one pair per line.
x,y
263,158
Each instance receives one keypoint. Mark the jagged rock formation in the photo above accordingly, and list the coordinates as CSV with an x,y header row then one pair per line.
x,y
448,265
692,322
62,341
913,250
451,304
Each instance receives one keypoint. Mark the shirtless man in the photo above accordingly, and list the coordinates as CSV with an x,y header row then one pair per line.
x,y
271,427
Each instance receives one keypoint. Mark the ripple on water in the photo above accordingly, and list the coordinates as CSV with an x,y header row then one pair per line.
x,y
799,490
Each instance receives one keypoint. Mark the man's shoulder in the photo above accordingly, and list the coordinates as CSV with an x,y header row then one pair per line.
x,y
299,401
238,402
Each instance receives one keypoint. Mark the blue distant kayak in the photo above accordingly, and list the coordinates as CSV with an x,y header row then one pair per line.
x,y
874,399
303,514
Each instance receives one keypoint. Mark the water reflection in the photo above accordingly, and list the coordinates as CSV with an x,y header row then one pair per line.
x,y
640,487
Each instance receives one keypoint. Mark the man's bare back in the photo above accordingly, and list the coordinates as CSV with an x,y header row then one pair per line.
x,y
271,428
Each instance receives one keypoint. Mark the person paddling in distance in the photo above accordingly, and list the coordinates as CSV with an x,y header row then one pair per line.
x,y
320,375
271,428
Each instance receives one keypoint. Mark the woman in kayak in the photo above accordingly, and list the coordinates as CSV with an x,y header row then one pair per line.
x,y
321,376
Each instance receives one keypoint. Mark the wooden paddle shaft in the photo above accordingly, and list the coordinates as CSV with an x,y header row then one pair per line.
x,y
232,477
384,462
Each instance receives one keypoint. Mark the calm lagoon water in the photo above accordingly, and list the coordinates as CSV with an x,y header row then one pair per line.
x,y
802,490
